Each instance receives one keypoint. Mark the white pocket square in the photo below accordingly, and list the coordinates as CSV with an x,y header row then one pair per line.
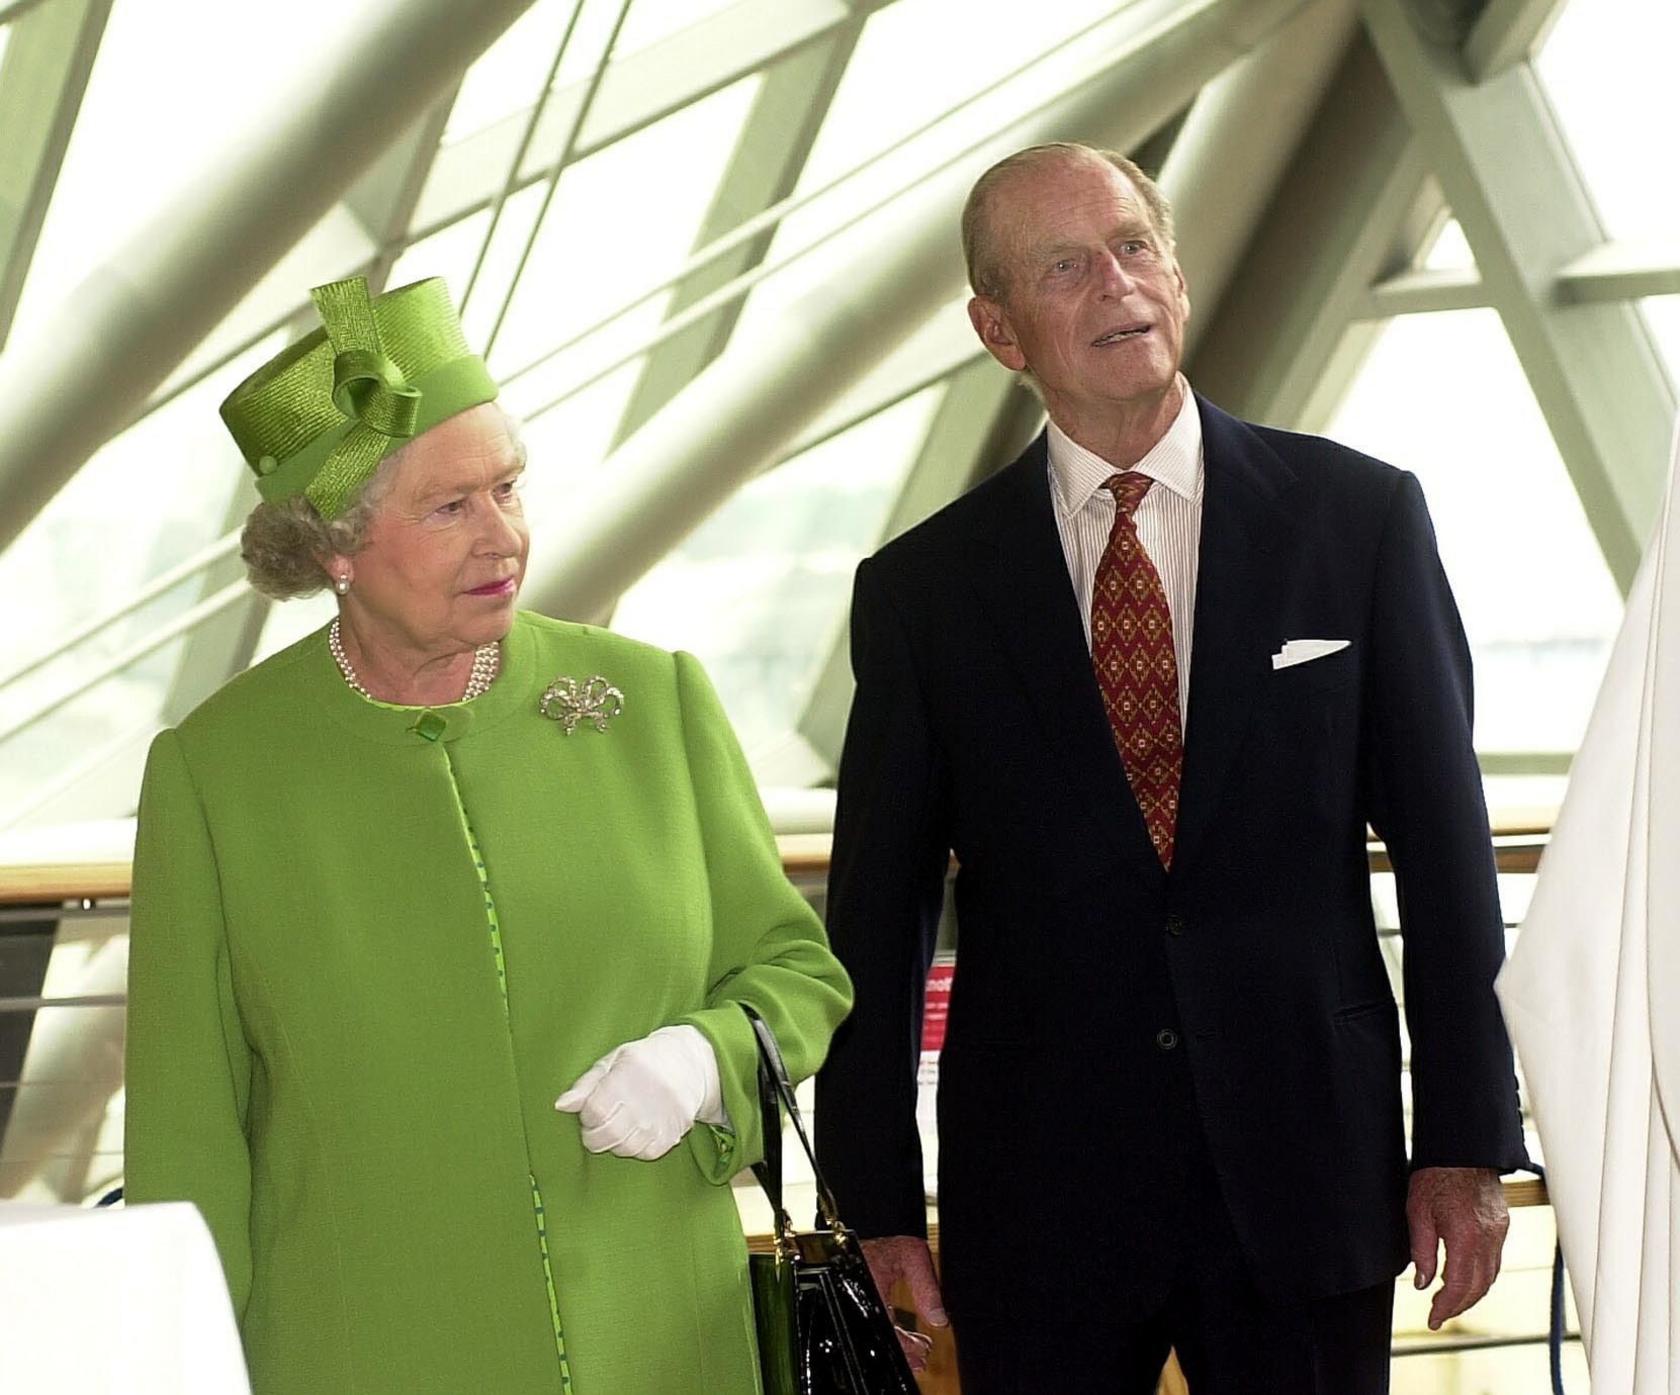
x,y
1304,651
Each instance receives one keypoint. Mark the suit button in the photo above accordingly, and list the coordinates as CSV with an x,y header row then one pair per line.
x,y
1175,923
1166,1038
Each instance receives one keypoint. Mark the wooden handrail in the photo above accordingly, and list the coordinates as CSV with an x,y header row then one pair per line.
x,y
1526,1191
55,883
1519,839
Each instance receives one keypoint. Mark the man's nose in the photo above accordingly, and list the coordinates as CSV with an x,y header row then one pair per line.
x,y
1115,279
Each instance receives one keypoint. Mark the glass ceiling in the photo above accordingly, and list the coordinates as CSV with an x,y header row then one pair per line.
x,y
564,188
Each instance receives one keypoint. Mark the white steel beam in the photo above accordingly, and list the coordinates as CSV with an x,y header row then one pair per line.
x,y
48,55
635,92
1425,291
1508,174
1352,209
1507,32
1234,147
1621,271
775,141
145,309
744,410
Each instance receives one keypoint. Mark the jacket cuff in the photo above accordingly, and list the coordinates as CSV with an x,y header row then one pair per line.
x,y
721,1153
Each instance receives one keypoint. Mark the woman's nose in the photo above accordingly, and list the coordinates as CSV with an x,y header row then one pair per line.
x,y
501,534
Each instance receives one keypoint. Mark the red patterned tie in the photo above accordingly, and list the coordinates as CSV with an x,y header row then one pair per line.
x,y
1132,648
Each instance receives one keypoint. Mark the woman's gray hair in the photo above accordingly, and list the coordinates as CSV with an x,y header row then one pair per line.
x,y
284,541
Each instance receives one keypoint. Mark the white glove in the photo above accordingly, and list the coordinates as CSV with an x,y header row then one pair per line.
x,y
640,1099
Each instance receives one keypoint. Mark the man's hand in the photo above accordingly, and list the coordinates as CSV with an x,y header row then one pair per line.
x,y
895,1257
1463,1207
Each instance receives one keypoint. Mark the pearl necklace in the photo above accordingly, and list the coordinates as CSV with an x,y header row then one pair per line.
x,y
487,662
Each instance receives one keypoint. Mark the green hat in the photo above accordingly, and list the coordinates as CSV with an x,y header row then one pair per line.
x,y
319,417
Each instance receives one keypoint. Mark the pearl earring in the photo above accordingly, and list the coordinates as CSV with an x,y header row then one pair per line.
x,y
342,585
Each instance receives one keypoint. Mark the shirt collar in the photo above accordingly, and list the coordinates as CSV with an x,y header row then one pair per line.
x,y
1175,461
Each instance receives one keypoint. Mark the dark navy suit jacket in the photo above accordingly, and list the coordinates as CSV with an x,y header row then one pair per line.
x,y
1112,1023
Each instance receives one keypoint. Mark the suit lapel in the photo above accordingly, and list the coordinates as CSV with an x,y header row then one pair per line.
x,y
1021,574
1244,528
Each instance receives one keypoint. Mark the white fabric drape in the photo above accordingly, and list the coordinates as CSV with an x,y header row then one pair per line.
x,y
121,1302
1592,997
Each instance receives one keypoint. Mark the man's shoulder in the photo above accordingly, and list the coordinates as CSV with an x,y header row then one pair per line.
x,y
1325,453
1326,487
1321,463
950,532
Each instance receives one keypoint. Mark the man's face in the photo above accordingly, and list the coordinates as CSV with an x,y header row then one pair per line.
x,y
1093,304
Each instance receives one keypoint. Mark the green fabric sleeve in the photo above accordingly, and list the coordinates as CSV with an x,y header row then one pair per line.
x,y
188,1063
769,948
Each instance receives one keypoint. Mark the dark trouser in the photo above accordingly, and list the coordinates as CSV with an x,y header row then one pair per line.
x,y
1072,1334
1229,1340
1164,1273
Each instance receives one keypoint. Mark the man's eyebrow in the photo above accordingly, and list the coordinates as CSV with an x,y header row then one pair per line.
x,y
1137,229
1056,249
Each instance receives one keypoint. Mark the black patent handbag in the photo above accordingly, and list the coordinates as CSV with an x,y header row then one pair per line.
x,y
822,1328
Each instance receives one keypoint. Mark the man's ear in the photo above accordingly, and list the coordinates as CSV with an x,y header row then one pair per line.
x,y
991,323
1183,287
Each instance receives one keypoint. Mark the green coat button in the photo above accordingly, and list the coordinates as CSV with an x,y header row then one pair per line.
x,y
430,725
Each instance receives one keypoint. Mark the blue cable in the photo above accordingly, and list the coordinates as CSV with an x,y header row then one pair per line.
x,y
1554,1338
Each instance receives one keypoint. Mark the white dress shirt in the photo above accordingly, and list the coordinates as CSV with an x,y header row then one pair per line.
x,y
1169,522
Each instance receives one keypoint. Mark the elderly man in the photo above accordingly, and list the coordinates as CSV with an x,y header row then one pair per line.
x,y
1149,684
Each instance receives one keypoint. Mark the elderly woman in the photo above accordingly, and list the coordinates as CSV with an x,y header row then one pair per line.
x,y
401,885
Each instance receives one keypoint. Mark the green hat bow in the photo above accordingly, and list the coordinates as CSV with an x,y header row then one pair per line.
x,y
318,418
367,388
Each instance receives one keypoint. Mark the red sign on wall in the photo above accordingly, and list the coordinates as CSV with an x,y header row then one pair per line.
x,y
937,1007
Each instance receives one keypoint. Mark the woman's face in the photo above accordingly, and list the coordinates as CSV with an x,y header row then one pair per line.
x,y
446,549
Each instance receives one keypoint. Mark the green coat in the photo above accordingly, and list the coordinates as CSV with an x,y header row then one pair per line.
x,y
320,1058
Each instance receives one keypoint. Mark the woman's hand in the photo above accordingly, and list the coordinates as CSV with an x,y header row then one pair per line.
x,y
640,1099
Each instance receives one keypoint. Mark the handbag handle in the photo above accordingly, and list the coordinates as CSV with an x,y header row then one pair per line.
x,y
773,1084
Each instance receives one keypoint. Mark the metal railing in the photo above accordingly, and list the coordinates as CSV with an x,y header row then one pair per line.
x,y
87,904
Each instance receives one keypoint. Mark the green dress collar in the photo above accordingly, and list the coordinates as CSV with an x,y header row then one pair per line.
x,y
515,690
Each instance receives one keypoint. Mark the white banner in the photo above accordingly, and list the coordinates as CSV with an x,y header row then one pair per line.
x,y
1592,997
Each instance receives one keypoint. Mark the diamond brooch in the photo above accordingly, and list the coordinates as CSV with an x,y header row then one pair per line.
x,y
569,702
